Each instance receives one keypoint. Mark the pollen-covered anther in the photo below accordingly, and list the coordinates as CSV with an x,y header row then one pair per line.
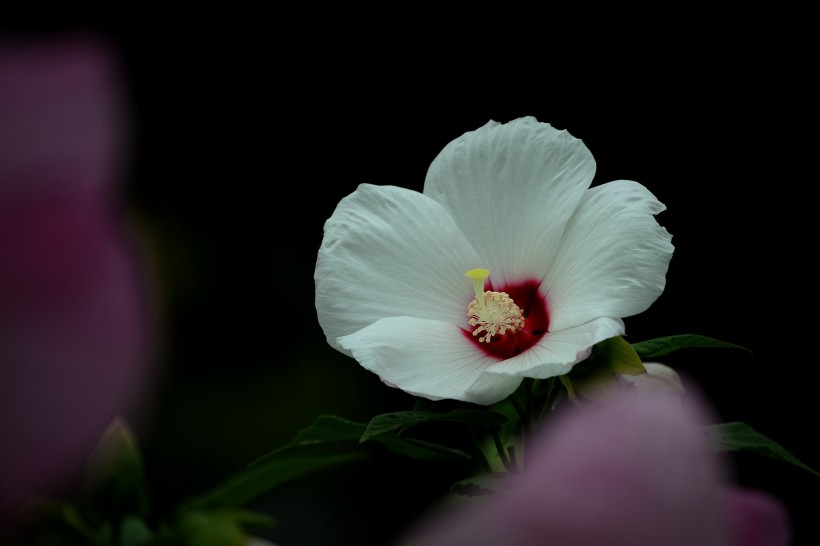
x,y
498,315
494,313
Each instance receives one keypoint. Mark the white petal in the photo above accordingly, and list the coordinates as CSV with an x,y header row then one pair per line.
x,y
428,358
389,251
511,189
557,352
613,259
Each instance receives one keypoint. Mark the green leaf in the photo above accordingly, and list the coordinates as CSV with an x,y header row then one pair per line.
x,y
99,533
420,449
482,484
619,355
208,528
115,479
276,470
597,376
567,382
402,420
134,532
330,441
664,345
737,436
330,429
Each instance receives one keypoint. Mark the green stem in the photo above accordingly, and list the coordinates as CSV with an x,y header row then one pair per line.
x,y
546,405
523,425
508,463
514,459
518,409
478,453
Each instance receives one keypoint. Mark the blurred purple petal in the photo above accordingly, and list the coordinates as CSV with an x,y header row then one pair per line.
x,y
73,321
635,471
756,519
62,119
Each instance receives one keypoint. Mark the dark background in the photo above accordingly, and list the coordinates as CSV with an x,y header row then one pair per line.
x,y
245,141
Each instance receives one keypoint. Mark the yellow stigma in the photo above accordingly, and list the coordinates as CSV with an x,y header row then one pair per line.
x,y
491,312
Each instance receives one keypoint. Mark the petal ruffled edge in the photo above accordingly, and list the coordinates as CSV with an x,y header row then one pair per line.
x,y
613,259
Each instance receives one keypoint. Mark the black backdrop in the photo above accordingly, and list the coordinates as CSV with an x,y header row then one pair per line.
x,y
245,141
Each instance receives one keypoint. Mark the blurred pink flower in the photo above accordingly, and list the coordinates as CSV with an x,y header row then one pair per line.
x,y
635,471
73,322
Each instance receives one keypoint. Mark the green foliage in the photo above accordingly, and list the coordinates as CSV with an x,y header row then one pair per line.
x,y
737,436
257,479
482,484
596,375
210,528
113,507
662,346
402,420
328,442
135,532
115,479
619,356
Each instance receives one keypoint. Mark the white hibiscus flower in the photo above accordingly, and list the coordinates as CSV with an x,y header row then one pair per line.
x,y
552,265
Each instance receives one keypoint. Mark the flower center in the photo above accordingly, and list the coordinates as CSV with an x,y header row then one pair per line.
x,y
508,321
491,312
